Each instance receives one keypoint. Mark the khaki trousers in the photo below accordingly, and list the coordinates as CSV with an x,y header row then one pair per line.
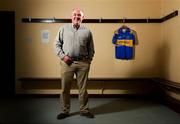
x,y
81,70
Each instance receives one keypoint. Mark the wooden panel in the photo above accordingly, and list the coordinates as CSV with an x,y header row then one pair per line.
x,y
95,86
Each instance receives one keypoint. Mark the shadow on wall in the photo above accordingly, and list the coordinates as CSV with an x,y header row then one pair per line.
x,y
160,66
164,53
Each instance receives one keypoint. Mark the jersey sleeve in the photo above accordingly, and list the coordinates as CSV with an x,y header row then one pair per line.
x,y
114,39
135,37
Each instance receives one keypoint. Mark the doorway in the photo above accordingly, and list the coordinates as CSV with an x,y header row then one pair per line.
x,y
7,53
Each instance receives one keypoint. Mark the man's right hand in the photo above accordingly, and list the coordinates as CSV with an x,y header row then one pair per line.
x,y
67,60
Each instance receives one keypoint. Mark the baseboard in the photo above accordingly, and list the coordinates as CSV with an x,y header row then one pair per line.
x,y
169,93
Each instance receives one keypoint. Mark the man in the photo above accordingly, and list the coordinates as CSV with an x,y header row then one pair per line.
x,y
74,45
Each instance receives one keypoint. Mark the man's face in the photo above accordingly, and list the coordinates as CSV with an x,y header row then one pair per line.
x,y
77,17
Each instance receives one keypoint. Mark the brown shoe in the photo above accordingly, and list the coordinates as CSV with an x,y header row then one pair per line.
x,y
62,115
87,114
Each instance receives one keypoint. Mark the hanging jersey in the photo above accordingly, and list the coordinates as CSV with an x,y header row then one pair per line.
x,y
124,40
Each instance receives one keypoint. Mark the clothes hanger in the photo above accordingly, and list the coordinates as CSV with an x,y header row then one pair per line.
x,y
124,26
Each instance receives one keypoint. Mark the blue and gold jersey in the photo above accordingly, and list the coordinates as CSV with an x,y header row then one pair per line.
x,y
124,40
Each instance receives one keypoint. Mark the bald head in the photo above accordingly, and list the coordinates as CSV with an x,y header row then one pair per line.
x,y
77,17
79,11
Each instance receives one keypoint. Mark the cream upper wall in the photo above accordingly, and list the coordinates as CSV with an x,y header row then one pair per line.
x,y
92,9
35,59
170,67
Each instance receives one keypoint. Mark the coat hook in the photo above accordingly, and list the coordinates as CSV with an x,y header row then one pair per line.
x,y
174,12
29,18
53,19
148,19
124,19
100,20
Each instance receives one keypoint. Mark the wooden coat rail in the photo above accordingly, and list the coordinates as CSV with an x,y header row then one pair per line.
x,y
101,20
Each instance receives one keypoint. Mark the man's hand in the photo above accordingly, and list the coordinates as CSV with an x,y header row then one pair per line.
x,y
67,60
